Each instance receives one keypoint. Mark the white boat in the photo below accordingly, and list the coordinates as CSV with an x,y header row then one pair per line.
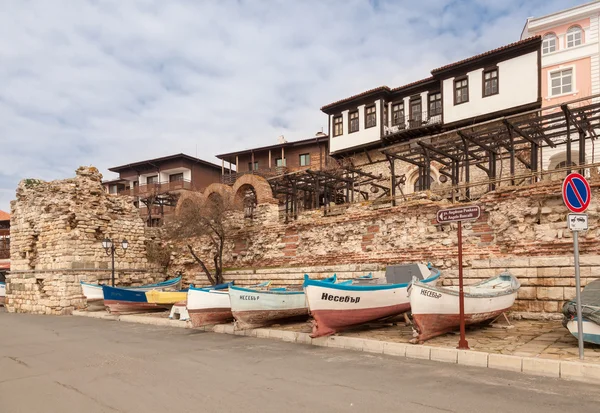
x,y
591,330
435,310
95,297
336,307
2,293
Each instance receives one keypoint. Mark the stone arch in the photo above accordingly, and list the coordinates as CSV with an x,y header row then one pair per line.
x,y
559,160
186,197
222,190
261,187
413,178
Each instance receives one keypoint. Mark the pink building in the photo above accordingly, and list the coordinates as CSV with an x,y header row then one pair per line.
x,y
570,64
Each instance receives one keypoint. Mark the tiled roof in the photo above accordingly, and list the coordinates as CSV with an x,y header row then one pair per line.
x,y
418,82
4,216
489,52
366,93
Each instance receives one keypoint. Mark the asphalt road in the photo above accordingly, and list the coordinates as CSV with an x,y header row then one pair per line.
x,y
72,364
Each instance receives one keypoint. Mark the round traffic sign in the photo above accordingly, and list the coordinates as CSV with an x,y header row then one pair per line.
x,y
576,192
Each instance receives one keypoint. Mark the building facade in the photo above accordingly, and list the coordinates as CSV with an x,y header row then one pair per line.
x,y
277,159
497,83
570,67
4,235
157,183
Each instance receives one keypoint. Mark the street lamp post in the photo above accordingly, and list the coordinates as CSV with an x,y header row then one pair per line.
x,y
110,248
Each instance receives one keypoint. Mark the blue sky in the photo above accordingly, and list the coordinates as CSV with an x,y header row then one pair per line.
x,y
103,83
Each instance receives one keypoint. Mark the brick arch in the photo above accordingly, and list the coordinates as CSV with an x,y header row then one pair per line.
x,y
222,190
261,187
186,196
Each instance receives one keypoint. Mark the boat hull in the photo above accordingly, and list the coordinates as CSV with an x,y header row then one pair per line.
x,y
591,330
336,307
255,308
207,307
435,311
120,300
165,297
2,293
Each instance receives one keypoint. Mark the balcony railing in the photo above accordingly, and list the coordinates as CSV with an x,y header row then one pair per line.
x,y
265,173
415,121
157,188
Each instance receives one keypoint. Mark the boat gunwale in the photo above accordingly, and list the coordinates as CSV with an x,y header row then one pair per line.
x,y
167,283
514,287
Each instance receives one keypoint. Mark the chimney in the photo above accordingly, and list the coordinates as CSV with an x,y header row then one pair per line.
x,y
281,139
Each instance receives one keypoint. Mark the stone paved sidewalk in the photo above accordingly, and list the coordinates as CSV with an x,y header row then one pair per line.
x,y
543,339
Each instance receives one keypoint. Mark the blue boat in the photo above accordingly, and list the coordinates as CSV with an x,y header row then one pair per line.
x,y
120,300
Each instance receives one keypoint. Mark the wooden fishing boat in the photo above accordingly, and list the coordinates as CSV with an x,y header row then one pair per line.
x,y
435,310
166,297
95,297
207,306
2,293
591,330
254,307
335,307
120,300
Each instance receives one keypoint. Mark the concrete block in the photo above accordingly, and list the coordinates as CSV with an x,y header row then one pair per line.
x,y
373,346
228,328
472,358
320,341
395,349
350,343
446,355
303,338
289,336
262,332
504,362
418,352
277,334
580,371
541,367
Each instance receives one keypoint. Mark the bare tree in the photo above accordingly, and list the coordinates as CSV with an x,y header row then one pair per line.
x,y
203,220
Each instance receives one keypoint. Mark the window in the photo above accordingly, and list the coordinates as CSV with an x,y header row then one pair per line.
x,y
420,183
549,43
152,180
253,166
564,164
113,189
385,114
561,82
435,104
461,91
574,36
338,126
415,112
176,177
490,82
305,159
279,162
353,127
397,114
370,117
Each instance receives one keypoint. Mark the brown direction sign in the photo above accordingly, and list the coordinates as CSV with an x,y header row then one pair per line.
x,y
458,214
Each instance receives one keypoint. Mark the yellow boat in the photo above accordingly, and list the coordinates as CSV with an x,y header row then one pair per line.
x,y
165,297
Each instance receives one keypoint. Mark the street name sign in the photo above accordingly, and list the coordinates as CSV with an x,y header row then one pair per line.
x,y
458,214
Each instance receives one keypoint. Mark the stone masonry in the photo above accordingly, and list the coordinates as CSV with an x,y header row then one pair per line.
x,y
57,229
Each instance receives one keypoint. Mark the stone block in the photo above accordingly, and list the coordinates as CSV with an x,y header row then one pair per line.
x,y
446,355
418,352
527,293
289,336
589,260
513,262
550,293
480,264
548,262
373,346
580,371
395,349
548,272
320,341
472,358
350,343
504,362
541,367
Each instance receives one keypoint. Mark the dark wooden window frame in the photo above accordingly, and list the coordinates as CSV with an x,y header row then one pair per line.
x,y
151,178
350,121
490,70
177,179
402,118
283,163
374,116
300,159
415,121
335,123
457,80
429,101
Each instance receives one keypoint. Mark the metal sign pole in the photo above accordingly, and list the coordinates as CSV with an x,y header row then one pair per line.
x,y
462,343
578,293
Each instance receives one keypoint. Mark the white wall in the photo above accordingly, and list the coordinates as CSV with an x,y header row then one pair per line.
x,y
362,136
518,81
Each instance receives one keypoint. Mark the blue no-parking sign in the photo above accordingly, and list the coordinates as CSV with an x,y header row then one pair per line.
x,y
576,193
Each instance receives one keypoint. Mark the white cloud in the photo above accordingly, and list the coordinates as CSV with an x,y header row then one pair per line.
x,y
107,83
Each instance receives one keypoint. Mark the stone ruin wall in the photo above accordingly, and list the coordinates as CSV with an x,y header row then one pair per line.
x,y
57,230
522,230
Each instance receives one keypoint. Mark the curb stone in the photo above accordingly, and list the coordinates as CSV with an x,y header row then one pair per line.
x,y
567,370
